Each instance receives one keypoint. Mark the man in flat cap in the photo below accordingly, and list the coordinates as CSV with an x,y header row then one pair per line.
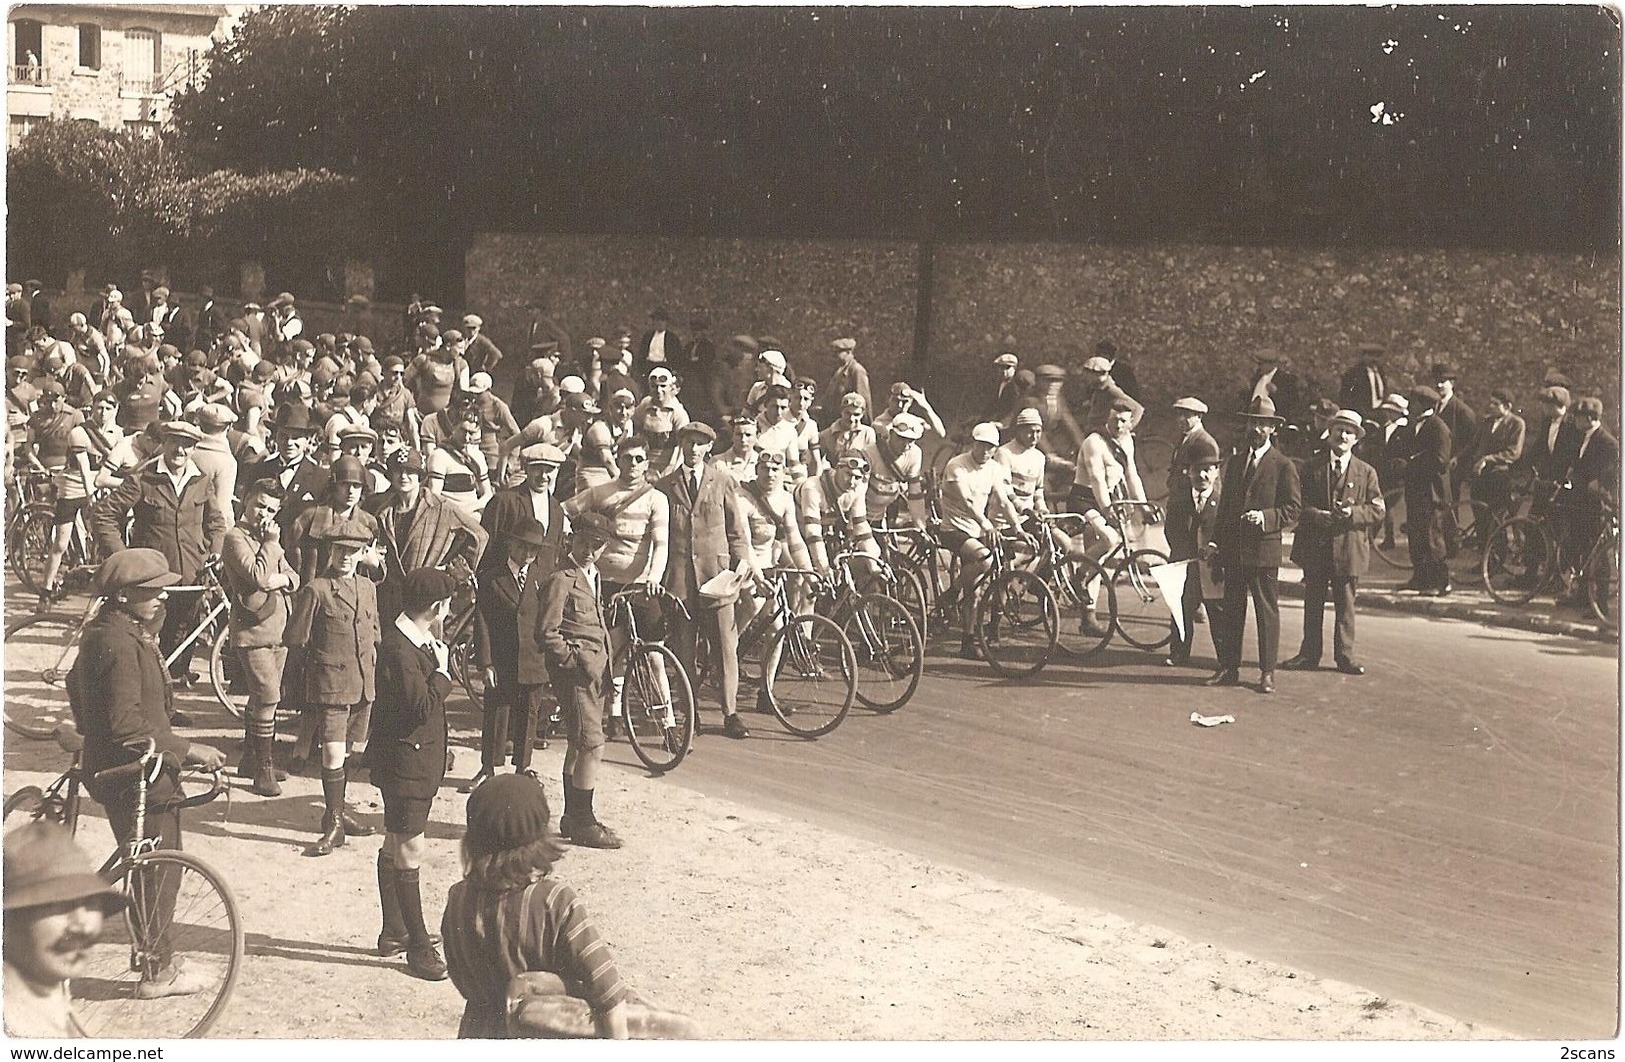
x,y
1342,501
481,354
1188,413
1007,396
174,511
1259,501
1098,394
1426,456
1592,492
850,377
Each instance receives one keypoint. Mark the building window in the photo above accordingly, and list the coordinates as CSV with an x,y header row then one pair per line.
x,y
90,46
30,49
142,62
18,128
144,130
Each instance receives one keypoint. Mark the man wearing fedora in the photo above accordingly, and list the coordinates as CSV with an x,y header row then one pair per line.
x,y
1259,499
1342,501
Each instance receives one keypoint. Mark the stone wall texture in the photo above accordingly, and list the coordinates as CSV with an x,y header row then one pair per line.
x,y
1189,317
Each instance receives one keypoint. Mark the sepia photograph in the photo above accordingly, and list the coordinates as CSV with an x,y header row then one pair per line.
x,y
946,524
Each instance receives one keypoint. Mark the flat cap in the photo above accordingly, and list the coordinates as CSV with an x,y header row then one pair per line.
x,y
596,343
1395,404
357,431
1096,363
986,432
845,343
593,526
421,588
451,335
542,454
774,358
472,320
1191,405
1589,405
698,429
345,532
134,567
1424,396
1006,361
180,429
212,416
478,384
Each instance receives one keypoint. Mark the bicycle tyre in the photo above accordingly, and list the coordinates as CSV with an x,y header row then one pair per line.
x,y
888,650
1016,624
1475,527
219,652
1069,588
909,590
464,668
27,544
1138,610
1517,561
1395,551
40,650
1602,581
815,681
205,933
659,740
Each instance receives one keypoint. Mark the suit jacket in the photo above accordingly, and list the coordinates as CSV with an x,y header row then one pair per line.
x,y
510,508
848,379
1354,389
211,325
407,747
1326,539
674,350
1552,462
708,531
181,527
304,490
1005,402
482,355
1187,528
1180,463
1500,442
1595,473
309,552
574,637
429,539
1272,489
259,614
1426,453
1287,390
335,626
177,327
1459,417
119,692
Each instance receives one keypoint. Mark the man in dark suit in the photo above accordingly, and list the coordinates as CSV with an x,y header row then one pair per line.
x,y
1362,387
1192,509
1426,470
1462,421
1259,499
1593,485
39,307
1007,397
575,642
1283,387
707,534
1552,443
1500,447
409,764
211,320
1342,500
171,320
293,464
660,345
1194,439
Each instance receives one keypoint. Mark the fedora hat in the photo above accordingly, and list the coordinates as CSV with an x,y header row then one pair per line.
x,y
1262,407
1347,418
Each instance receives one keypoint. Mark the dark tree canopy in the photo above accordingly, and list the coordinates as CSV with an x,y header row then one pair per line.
x,y
1497,126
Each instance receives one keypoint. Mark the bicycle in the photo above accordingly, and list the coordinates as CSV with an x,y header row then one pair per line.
x,y
30,541
1390,538
1526,556
918,575
179,912
808,670
1015,619
1134,605
657,697
886,642
41,650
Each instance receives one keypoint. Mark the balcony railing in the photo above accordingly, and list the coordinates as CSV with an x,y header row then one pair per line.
x,y
27,75
142,86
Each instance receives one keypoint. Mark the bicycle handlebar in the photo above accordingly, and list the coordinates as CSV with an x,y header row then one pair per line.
x,y
217,786
623,598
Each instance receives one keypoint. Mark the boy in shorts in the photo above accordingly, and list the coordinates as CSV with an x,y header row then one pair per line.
x,y
334,632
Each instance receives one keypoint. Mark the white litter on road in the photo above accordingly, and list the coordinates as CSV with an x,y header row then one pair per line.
x,y
1211,720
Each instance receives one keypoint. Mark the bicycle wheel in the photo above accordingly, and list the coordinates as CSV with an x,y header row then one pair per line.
x,y
1391,539
1016,624
222,661
661,729
28,542
1517,560
39,652
180,916
909,590
815,681
25,805
1142,618
888,650
1077,636
1474,524
1602,581
464,666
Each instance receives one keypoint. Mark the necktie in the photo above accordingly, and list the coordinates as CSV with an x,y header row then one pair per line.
x,y
1376,387
694,485
519,579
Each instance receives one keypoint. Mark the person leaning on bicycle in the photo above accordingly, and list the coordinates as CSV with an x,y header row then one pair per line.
x,y
1105,473
120,695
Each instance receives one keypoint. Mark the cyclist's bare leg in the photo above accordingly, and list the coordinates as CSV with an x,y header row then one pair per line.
x,y
60,535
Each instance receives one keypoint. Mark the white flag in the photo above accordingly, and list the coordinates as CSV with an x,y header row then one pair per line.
x,y
1170,580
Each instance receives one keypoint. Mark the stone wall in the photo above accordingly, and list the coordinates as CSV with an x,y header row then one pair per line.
x,y
1190,317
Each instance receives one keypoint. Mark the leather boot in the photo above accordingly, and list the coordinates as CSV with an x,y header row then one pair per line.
x,y
354,827
332,837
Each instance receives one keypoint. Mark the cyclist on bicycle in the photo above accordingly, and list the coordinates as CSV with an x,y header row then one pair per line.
x,y
896,467
833,512
1105,474
1026,463
120,695
972,484
775,541
52,431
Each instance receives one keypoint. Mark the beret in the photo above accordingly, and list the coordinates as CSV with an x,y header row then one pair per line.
x,y
506,812
425,586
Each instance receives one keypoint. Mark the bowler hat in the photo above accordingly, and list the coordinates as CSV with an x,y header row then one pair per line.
x,y
134,567
44,866
294,418
1203,451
